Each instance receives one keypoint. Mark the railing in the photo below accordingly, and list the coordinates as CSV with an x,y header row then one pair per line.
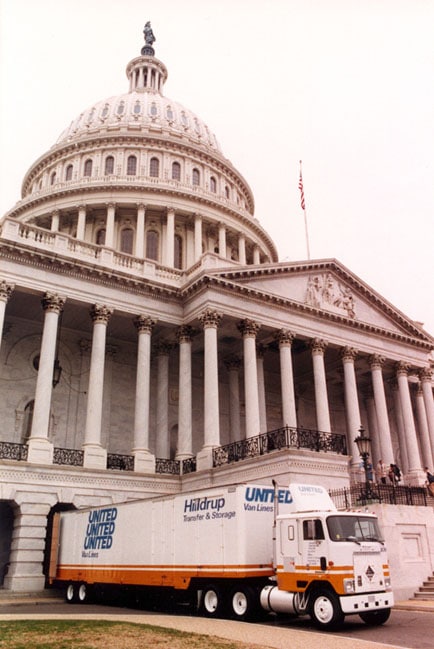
x,y
68,456
277,440
171,467
189,465
11,451
357,495
120,462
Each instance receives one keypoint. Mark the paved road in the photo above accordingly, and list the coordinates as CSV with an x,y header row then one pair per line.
x,y
409,629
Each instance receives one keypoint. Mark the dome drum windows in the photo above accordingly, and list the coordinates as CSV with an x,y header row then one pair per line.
x,y
195,177
68,172
109,165
213,185
88,168
176,171
127,240
152,245
154,167
132,165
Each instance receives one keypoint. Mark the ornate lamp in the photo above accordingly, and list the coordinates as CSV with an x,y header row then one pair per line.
x,y
364,446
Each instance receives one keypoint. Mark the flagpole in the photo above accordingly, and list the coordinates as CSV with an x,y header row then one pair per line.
x,y
303,207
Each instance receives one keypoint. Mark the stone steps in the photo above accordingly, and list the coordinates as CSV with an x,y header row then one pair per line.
x,y
426,591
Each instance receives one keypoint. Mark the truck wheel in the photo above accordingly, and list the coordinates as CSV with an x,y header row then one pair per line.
x,y
212,604
70,593
375,618
83,593
244,603
325,609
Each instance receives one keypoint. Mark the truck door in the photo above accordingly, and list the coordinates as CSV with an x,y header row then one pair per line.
x,y
288,544
314,545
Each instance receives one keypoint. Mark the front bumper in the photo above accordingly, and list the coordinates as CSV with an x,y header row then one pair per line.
x,y
366,602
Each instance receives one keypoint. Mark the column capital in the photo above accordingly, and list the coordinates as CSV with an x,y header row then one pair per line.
x,y
185,334
376,361
53,302
318,345
144,324
349,354
170,210
284,337
248,328
100,314
163,348
232,363
401,368
210,318
111,204
141,206
5,290
425,374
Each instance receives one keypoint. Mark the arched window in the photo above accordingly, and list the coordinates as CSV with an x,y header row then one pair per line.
x,y
213,184
227,192
109,165
178,252
154,167
152,245
127,238
88,168
176,171
68,172
100,237
196,177
53,178
131,165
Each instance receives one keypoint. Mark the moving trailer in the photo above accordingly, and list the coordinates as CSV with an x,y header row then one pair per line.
x,y
231,552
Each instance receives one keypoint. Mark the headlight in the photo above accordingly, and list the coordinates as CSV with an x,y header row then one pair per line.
x,y
349,586
387,583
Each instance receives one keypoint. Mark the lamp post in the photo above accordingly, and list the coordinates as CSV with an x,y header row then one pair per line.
x,y
363,446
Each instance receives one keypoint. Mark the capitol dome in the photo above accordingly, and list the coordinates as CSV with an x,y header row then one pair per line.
x,y
139,152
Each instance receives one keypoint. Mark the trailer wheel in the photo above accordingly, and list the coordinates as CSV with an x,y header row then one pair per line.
x,y
244,602
375,618
83,593
70,593
325,609
212,604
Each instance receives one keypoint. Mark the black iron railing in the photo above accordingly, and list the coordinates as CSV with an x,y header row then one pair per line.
x,y
356,495
189,465
276,440
120,462
171,467
69,456
11,451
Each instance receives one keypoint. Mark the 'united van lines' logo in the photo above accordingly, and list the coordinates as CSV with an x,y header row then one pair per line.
x,y
100,529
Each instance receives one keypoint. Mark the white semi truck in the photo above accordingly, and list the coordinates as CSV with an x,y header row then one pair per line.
x,y
231,552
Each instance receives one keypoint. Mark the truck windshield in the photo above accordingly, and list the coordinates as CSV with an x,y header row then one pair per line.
x,y
355,528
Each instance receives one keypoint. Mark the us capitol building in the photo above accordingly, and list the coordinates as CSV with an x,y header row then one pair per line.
x,y
153,343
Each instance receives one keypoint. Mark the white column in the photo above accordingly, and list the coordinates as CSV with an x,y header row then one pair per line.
x,y
425,444
94,455
242,249
376,364
81,222
5,293
162,442
233,368
110,226
197,237
260,351
55,221
144,461
140,232
321,399
185,433
425,376
170,238
289,413
256,256
414,462
249,330
40,449
373,428
400,428
210,320
222,240
352,408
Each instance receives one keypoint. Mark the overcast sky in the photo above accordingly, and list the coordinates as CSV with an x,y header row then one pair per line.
x,y
345,85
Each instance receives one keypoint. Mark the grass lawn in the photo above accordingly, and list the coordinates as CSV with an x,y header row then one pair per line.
x,y
98,634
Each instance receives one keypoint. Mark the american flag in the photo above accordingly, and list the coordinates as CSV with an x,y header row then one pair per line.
x,y
300,185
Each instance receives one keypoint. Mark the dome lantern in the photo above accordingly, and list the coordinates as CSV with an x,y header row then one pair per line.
x,y
146,73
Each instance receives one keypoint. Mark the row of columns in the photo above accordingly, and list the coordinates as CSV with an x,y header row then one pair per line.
x,y
169,238
40,449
